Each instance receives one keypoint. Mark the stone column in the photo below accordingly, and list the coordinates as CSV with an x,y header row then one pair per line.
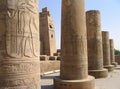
x,y
19,44
106,51
112,52
94,42
74,65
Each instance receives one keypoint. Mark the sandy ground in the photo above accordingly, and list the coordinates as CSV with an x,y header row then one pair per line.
x,y
111,82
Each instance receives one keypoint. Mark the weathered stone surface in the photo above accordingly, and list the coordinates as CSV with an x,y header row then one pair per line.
x,y
47,33
117,59
106,51
99,73
19,56
49,66
94,44
74,41
44,57
52,58
58,53
74,65
112,53
74,84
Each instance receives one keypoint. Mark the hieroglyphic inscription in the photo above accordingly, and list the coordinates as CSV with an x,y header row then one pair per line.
x,y
33,83
22,29
20,67
79,43
19,51
2,5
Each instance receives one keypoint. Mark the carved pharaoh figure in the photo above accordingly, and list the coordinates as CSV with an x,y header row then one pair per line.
x,y
19,48
23,33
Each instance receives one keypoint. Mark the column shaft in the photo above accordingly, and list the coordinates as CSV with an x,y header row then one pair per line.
x,y
94,37
94,44
74,63
106,51
74,41
19,49
112,52
106,48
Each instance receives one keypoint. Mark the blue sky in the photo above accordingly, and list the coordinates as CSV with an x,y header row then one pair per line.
x,y
110,16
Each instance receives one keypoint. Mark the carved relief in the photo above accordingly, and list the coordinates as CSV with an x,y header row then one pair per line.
x,y
79,43
67,2
19,51
94,21
20,68
22,39
20,83
2,5
2,2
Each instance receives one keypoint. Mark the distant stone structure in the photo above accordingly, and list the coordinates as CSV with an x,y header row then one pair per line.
x,y
106,51
117,59
94,42
58,53
47,33
49,64
112,53
74,62
19,44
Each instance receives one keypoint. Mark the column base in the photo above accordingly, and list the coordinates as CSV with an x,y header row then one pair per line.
x,y
99,73
115,64
109,67
88,83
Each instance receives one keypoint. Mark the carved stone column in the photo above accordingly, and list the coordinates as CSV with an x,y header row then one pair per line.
x,y
112,52
106,51
74,63
94,42
19,44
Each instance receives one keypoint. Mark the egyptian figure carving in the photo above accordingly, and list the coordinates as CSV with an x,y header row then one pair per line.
x,y
22,28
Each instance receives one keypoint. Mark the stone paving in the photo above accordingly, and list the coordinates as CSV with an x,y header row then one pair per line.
x,y
111,82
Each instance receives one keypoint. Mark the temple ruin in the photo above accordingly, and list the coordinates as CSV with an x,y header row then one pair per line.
x,y
28,47
47,33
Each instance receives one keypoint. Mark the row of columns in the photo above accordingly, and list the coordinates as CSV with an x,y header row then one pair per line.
x,y
19,51
85,49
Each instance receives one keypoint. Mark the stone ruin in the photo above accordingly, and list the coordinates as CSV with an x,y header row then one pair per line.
x,y
47,33
26,50
49,55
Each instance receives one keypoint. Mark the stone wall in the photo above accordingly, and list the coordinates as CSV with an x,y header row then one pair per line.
x,y
49,64
117,59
